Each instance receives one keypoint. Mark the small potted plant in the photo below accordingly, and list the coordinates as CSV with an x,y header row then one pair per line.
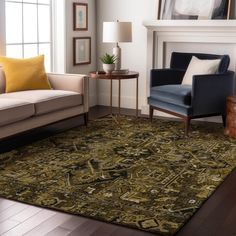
x,y
108,62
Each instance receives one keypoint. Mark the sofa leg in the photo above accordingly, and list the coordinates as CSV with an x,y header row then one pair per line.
x,y
224,119
151,113
187,125
86,119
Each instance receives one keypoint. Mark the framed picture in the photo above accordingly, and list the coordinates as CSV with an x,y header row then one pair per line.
x,y
82,50
192,9
221,9
80,16
158,9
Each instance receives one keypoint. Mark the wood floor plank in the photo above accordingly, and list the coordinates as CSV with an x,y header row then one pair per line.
x,y
49,225
122,231
104,229
4,204
58,232
86,229
26,214
8,225
11,211
73,223
31,223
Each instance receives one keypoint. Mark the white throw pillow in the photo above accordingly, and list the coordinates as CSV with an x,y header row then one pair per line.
x,y
200,67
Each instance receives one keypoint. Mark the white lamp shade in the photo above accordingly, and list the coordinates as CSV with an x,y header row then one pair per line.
x,y
115,32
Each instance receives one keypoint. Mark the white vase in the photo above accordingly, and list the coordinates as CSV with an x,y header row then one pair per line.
x,y
108,68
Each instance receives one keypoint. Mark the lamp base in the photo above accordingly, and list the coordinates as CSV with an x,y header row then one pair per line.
x,y
117,53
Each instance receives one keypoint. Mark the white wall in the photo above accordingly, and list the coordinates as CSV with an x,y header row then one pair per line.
x,y
59,36
70,33
2,28
133,54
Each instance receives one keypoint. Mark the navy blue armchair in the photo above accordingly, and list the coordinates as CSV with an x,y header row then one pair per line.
x,y
205,97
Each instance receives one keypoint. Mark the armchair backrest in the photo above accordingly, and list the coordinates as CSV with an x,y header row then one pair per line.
x,y
181,60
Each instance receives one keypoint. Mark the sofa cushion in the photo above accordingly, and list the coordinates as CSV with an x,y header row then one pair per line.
x,y
24,74
46,101
200,67
181,60
13,110
173,94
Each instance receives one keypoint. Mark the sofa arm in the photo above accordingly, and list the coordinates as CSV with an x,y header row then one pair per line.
x,y
71,82
166,76
209,92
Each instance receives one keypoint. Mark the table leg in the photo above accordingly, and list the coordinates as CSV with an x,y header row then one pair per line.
x,y
137,97
119,97
111,98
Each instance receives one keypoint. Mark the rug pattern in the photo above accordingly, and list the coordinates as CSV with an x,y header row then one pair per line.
x,y
138,174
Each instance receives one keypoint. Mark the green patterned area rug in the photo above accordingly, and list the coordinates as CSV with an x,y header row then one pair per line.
x,y
137,174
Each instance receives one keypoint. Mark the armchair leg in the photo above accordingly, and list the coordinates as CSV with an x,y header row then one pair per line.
x,y
224,119
151,113
187,125
86,119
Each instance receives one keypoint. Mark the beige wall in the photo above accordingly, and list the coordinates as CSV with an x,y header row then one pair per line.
x,y
133,54
70,33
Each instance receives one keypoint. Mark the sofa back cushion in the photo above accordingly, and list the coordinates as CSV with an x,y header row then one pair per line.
x,y
2,81
181,60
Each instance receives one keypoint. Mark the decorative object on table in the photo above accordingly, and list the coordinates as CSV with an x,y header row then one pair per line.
x,y
230,129
117,32
80,16
82,50
192,9
205,97
108,62
137,174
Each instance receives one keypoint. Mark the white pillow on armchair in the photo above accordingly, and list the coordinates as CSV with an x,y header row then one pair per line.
x,y
200,67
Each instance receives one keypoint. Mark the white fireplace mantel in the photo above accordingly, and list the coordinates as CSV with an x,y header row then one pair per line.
x,y
190,25
160,32
187,31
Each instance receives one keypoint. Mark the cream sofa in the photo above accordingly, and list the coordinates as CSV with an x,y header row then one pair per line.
x,y
26,110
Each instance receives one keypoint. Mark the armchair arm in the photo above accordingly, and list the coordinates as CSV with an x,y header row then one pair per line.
x,y
209,93
166,76
71,82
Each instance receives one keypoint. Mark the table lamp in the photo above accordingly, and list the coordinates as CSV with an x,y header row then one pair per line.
x,y
117,32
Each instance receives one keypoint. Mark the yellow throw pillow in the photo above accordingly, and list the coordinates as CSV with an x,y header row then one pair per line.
x,y
24,74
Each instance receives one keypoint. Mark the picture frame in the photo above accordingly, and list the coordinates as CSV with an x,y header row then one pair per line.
x,y
80,16
194,10
81,50
158,4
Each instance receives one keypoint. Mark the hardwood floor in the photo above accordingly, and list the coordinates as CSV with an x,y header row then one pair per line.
x,y
217,216
20,219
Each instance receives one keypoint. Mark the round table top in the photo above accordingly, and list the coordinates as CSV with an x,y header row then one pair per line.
x,y
232,99
103,75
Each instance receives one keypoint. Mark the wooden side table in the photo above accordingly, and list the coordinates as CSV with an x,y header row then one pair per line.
x,y
130,75
230,129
